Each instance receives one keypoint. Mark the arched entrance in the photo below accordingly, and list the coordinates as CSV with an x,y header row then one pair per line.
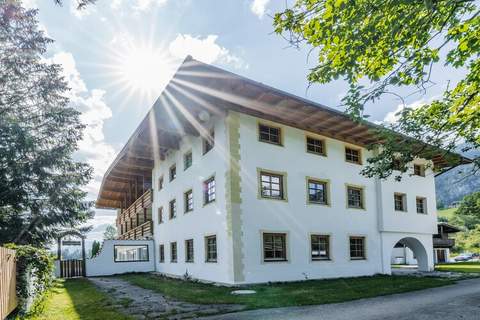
x,y
69,267
410,251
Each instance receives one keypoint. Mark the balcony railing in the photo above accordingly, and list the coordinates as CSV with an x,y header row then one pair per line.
x,y
143,231
135,221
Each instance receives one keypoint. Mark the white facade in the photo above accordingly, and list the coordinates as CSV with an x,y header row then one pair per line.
x,y
239,215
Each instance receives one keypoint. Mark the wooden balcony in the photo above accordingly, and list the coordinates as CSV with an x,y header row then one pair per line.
x,y
443,243
135,222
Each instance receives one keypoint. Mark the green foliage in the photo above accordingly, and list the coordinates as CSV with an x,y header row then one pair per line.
x,y
40,183
468,213
110,233
95,248
468,241
387,44
34,274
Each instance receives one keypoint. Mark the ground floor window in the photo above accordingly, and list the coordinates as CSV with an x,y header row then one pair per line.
x,y
130,253
211,249
189,250
173,252
320,247
357,248
274,247
162,253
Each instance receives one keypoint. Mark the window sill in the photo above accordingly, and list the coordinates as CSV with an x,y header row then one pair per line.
x,y
274,261
211,261
320,260
274,199
358,259
207,203
317,154
357,208
318,203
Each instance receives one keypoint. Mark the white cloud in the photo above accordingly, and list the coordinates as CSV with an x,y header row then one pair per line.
x,y
259,7
393,116
30,4
205,50
94,111
83,12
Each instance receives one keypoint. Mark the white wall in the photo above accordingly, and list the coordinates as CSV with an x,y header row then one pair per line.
x,y
104,263
204,220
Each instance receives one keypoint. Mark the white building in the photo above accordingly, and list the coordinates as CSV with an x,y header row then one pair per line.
x,y
238,182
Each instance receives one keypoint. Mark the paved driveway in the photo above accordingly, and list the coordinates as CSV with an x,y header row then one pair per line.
x,y
459,301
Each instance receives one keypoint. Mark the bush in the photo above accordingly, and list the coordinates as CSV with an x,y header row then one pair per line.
x,y
35,267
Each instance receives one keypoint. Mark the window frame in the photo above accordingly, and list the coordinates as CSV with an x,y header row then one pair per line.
x,y
322,235
284,235
322,143
172,172
207,249
208,142
364,247
173,245
130,245
270,126
363,205
160,215
186,155
359,150
206,189
161,182
282,184
186,208
188,258
403,199
326,184
170,211
161,253
421,167
424,205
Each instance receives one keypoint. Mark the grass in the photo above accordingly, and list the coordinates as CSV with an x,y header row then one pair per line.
x,y
77,299
467,267
286,294
447,213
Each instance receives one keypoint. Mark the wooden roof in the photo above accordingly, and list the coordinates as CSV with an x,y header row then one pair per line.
x,y
197,87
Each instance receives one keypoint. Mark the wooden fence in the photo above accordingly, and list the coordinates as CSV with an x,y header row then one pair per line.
x,y
8,296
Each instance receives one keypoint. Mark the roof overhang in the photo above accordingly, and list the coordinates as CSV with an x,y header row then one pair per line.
x,y
197,87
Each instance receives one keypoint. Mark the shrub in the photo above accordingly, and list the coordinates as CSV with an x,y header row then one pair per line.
x,y
35,268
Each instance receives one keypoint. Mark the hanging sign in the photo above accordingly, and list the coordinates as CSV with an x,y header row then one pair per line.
x,y
71,243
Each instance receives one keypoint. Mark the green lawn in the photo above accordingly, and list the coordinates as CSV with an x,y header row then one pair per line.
x,y
473,267
286,294
447,213
77,299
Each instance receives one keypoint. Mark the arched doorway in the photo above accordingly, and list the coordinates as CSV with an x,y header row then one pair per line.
x,y
410,251
71,267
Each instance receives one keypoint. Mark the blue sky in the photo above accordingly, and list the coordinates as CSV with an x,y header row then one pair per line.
x,y
119,54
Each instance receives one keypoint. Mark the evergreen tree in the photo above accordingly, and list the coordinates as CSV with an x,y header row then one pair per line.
x,y
95,248
40,183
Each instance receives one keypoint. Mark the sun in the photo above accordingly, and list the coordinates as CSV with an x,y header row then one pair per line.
x,y
145,69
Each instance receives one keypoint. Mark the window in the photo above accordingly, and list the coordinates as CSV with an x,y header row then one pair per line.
x,y
160,183
209,190
270,134
317,191
188,199
271,185
189,250
397,164
130,253
400,200
161,253
211,249
274,247
421,205
320,247
353,155
355,197
173,172
160,215
209,142
357,248
187,160
418,170
316,146
173,209
173,252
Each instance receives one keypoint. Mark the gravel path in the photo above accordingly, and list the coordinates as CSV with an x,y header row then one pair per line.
x,y
146,304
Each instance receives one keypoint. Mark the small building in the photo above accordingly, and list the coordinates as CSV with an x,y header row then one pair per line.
x,y
237,182
442,244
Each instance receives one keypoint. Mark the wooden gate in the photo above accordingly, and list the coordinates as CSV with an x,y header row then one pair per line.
x,y
72,268
8,272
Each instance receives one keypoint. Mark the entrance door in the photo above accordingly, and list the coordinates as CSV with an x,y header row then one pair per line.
x,y
441,256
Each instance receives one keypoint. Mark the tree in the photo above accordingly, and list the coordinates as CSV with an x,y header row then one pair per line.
x,y
40,183
386,44
110,233
468,213
95,248
468,241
